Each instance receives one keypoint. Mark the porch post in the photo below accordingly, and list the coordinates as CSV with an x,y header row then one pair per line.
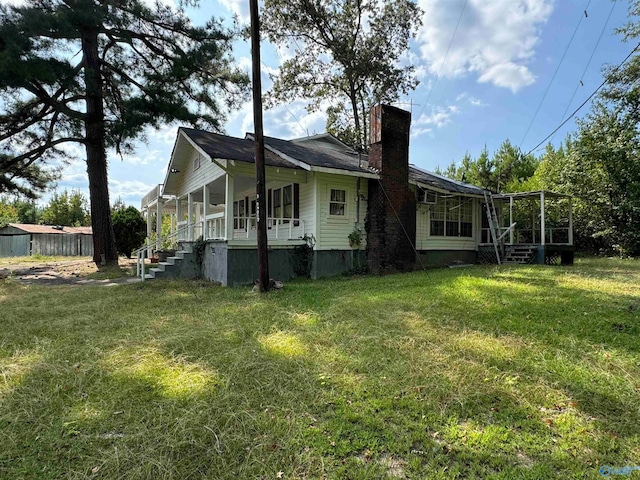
x,y
205,209
159,205
228,208
147,214
570,221
542,226
179,212
511,220
190,216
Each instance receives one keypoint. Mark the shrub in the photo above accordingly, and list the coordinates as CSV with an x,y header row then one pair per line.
x,y
129,229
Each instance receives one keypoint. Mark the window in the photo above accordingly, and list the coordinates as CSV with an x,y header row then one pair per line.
x,y
452,216
287,202
196,162
466,218
239,220
338,202
437,217
284,204
427,196
277,203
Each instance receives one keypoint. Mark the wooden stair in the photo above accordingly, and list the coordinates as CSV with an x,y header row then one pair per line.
x,y
521,254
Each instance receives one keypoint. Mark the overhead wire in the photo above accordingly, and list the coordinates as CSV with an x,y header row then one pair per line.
x,y
606,80
554,74
464,6
584,72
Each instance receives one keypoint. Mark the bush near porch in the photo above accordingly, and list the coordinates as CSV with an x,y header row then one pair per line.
x,y
499,372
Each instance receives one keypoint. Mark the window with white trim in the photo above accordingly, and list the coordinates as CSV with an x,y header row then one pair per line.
x,y
451,216
196,162
338,202
239,220
283,204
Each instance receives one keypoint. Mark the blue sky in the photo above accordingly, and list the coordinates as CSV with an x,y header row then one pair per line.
x,y
485,90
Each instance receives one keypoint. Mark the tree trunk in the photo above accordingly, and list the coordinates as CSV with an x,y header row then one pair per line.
x,y
104,246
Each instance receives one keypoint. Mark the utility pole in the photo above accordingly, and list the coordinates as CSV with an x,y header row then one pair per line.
x,y
261,204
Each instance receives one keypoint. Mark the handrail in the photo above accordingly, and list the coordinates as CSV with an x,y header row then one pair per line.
x,y
140,269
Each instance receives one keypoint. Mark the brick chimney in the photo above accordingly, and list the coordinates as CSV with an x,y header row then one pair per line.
x,y
391,220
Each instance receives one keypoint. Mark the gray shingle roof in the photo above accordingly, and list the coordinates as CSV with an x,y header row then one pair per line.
x,y
231,148
438,181
318,156
241,149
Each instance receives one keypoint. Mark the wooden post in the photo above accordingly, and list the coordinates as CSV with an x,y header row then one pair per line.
x,y
542,225
570,221
158,223
190,216
511,220
228,208
205,210
261,204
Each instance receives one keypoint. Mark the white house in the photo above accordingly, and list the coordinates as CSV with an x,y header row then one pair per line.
x,y
321,193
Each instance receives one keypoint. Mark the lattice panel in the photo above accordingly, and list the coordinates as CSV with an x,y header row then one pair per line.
x,y
487,257
552,258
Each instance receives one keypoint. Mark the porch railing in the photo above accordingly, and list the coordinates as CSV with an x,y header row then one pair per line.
x,y
142,252
531,236
244,228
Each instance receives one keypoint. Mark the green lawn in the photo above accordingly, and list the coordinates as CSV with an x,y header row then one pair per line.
x,y
484,372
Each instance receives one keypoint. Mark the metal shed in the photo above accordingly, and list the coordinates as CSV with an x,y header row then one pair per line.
x,y
17,239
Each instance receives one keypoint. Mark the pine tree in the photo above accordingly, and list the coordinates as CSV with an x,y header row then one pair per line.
x,y
97,73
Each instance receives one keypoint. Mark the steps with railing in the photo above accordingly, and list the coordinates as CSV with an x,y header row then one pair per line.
x,y
182,265
174,266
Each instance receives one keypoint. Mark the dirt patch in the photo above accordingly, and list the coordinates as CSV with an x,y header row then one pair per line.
x,y
75,271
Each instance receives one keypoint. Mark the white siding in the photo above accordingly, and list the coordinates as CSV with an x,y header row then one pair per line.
x,y
333,231
192,180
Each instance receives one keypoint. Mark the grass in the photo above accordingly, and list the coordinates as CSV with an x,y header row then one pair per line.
x,y
510,372
36,258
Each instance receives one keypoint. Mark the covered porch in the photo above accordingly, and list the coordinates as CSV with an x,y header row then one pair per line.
x,y
538,224
223,209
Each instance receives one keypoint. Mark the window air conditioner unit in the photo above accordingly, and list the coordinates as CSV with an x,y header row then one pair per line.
x,y
428,197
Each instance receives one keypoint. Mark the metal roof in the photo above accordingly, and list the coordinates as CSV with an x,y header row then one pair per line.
x,y
29,228
535,194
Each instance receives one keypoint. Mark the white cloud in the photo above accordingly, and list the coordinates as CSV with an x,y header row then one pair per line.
x,y
129,190
476,102
164,135
439,117
237,7
495,40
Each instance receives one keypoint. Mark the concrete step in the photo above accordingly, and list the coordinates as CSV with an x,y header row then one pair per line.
x,y
180,265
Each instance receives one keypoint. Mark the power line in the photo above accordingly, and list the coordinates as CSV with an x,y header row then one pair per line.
x,y
589,62
444,59
555,73
606,80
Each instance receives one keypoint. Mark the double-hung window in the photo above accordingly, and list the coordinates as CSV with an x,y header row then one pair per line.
x,y
239,220
338,202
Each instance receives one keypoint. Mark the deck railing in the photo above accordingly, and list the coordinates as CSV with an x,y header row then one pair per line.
x,y
244,228
531,236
